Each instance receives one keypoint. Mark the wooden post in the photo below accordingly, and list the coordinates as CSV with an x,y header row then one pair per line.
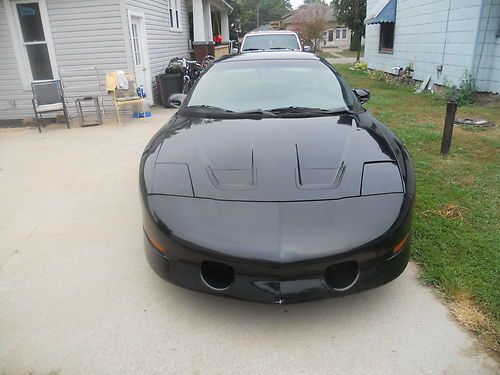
x,y
451,110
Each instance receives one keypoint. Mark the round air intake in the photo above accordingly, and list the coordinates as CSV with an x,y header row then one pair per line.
x,y
218,276
342,276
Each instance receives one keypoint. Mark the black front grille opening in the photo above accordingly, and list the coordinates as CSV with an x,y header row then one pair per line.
x,y
216,275
342,276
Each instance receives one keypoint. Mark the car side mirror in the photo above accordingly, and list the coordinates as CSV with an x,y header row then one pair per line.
x,y
176,100
307,49
362,95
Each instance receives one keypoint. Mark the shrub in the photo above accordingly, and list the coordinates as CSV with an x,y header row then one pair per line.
x,y
466,91
377,75
361,66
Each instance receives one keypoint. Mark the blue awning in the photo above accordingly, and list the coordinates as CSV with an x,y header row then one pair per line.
x,y
383,11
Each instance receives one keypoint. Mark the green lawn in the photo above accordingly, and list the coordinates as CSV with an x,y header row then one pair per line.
x,y
348,53
326,55
456,222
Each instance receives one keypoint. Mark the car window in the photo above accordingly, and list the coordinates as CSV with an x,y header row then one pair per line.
x,y
270,41
268,84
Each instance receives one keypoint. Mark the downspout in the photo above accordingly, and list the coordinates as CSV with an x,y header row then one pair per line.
x,y
439,68
473,58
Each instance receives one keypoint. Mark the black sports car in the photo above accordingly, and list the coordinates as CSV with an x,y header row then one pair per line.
x,y
272,184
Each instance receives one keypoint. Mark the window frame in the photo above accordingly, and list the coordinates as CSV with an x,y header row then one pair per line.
x,y
331,35
19,44
175,15
386,50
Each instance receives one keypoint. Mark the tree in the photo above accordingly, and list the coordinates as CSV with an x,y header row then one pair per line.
x,y
249,14
311,31
352,13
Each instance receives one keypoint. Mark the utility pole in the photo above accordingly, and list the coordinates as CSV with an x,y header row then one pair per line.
x,y
258,16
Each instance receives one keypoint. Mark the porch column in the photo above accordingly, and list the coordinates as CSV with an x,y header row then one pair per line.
x,y
207,15
198,24
224,25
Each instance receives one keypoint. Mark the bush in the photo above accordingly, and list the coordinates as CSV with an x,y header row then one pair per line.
x,y
361,66
466,91
377,75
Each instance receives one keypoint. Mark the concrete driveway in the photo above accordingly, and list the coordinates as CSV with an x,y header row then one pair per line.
x,y
77,296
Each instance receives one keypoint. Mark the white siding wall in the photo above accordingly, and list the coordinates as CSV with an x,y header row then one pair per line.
x,y
163,44
421,39
487,54
90,33
85,34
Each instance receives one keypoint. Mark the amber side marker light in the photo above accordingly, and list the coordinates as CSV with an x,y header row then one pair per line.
x,y
400,245
155,244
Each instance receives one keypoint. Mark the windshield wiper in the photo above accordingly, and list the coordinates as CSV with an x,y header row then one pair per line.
x,y
209,107
253,49
258,112
310,111
283,48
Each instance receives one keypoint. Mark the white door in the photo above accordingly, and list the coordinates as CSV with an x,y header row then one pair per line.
x,y
139,55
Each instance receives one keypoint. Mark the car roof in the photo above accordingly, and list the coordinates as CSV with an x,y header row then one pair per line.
x,y
273,55
266,32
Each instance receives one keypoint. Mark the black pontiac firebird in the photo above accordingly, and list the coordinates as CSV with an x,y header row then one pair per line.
x,y
272,184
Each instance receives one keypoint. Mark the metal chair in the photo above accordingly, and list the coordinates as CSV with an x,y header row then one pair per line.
x,y
48,97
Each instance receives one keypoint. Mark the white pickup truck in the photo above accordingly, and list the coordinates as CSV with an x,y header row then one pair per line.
x,y
273,40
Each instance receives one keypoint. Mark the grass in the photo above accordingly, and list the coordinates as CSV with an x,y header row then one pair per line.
x,y
326,55
349,53
456,222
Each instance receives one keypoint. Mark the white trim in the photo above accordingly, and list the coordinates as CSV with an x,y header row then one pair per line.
x,y
175,22
144,52
17,41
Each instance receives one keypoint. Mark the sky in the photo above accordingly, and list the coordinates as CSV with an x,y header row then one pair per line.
x,y
295,3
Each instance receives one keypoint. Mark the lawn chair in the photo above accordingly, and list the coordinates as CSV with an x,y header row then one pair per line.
x,y
48,97
121,97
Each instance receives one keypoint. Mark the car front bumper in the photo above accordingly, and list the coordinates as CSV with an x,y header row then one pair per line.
x,y
280,284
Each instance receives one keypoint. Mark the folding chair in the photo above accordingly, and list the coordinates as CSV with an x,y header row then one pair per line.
x,y
122,97
48,97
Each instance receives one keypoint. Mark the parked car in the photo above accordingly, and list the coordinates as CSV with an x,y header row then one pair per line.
x,y
273,40
273,184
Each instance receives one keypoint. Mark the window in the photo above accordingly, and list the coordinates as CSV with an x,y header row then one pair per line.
x,y
270,42
386,42
266,84
341,33
330,35
135,44
33,39
175,14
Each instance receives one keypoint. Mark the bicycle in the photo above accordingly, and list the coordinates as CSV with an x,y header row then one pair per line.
x,y
190,70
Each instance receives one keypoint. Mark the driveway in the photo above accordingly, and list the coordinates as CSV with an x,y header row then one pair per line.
x,y
77,296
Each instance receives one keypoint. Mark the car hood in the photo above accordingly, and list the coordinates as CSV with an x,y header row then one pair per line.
x,y
270,159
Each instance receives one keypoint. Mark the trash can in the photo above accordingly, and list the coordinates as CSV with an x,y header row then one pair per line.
x,y
168,84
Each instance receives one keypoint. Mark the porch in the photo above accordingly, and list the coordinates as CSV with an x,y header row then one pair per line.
x,y
208,18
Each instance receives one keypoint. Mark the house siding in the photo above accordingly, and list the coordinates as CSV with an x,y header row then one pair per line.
x,y
430,33
85,34
163,43
88,34
487,54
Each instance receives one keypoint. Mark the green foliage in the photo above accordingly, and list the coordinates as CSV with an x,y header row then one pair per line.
x,y
352,13
377,75
249,14
456,254
311,31
361,66
466,91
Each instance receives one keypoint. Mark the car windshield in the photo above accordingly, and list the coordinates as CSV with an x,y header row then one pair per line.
x,y
270,42
270,84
